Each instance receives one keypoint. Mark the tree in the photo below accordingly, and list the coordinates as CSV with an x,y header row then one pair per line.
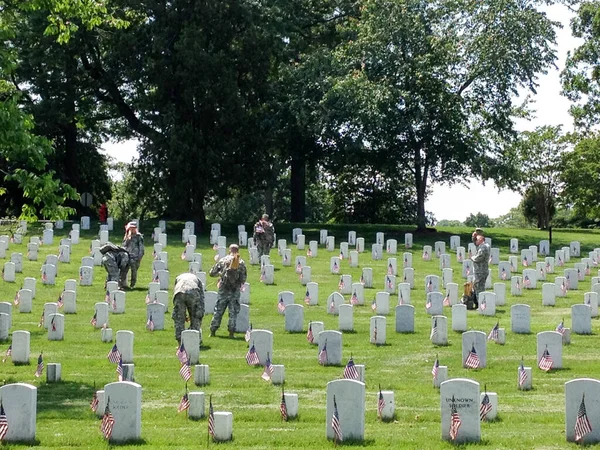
x,y
478,220
539,154
580,175
428,87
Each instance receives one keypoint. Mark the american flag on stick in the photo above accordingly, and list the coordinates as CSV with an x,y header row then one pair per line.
x,y
545,363
446,301
485,407
281,305
283,406
182,354
582,424
17,298
354,298
268,372
119,369
150,324
493,335
350,371
248,333
561,327
3,422
433,329
252,357
522,374
114,355
40,366
211,418
108,422
380,403
341,284
94,403
184,404
309,334
336,424
94,320
455,421
472,361
8,353
307,297
435,368
60,302
186,371
323,354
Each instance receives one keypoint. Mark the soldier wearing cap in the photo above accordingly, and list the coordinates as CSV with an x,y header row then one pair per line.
x,y
133,242
264,235
231,271
480,262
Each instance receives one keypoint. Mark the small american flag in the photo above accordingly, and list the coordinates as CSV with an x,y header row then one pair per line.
x,y
60,302
309,334
374,337
560,262
401,298
503,274
307,297
527,282
561,327
268,372
493,335
518,284
483,306
354,299
8,353
184,404
425,256
342,256
323,355
150,324
362,279
262,275
332,307
252,357
335,423
281,305
380,403
374,305
545,362
522,375
388,282
114,355
183,255
350,371
186,371
472,361
525,262
485,407
41,322
435,368
468,270
248,333
582,424
336,267
455,421
459,257
94,403
3,422
563,288
405,261
428,304
433,329
108,422
119,370
17,299
45,276
298,268
181,353
341,284
94,320
52,324
40,366
283,408
429,285
148,300
390,269
309,252
568,282
107,296
446,301
211,418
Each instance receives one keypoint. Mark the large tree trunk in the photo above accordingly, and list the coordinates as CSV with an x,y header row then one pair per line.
x,y
298,187
421,186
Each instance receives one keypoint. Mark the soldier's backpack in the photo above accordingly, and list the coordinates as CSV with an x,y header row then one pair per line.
x,y
469,298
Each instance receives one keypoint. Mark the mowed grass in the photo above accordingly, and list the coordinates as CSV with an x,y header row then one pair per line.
x,y
533,419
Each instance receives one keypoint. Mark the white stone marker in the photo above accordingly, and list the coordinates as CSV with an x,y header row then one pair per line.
x,y
378,330
311,296
263,344
334,301
382,303
551,341
581,319
124,400
9,272
125,345
223,426
404,293
349,398
56,327
196,409
405,318
460,396
86,275
586,391
477,340
156,311
346,318
316,328
201,374
101,314
210,300
439,330
434,303
520,319
407,260
25,300
591,299
487,303
53,373
408,240
20,406
548,294
332,340
459,317
294,318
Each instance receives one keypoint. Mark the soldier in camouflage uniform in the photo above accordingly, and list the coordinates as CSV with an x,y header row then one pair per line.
x,y
188,296
232,272
116,262
134,243
264,235
480,262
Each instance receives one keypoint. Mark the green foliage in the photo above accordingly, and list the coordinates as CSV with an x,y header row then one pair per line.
x,y
128,200
478,220
428,87
513,219
580,169
449,223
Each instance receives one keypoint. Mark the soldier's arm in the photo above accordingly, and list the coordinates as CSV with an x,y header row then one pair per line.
x,y
479,256
243,274
216,269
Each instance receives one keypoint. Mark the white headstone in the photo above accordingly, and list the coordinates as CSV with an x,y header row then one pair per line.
x,y
125,345
405,318
520,319
124,400
586,391
461,396
20,406
20,347
349,398
459,317
332,340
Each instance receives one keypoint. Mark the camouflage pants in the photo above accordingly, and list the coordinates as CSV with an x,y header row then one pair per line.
x,y
479,283
263,248
134,266
112,270
191,302
226,299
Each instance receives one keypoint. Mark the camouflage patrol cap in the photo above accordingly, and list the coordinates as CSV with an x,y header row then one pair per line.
x,y
234,248
478,230
265,216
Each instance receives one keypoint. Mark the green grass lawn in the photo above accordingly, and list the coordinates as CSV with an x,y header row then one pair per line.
x,y
533,419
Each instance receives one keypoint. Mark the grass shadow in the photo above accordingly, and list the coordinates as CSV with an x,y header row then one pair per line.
x,y
134,442
62,398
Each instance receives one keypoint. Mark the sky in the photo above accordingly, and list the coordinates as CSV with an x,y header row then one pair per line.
x,y
450,202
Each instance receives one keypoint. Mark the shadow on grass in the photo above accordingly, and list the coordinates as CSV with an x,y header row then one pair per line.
x,y
134,442
356,443
63,398
34,443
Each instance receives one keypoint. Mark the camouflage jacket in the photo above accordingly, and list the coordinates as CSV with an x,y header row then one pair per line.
x,y
187,282
481,259
134,246
264,232
231,279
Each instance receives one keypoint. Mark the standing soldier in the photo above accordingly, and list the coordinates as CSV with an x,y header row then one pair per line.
x,y
134,244
232,272
480,262
188,296
264,235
